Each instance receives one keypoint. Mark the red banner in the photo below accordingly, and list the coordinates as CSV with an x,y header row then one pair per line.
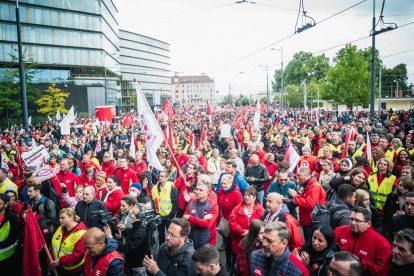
x,y
105,113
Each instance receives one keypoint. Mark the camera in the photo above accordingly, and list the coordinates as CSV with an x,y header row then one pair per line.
x,y
104,217
148,217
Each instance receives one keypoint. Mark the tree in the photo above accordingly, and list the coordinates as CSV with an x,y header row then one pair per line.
x,y
53,100
10,97
393,77
348,82
294,95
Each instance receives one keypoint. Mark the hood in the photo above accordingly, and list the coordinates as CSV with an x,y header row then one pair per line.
x,y
187,247
284,210
111,245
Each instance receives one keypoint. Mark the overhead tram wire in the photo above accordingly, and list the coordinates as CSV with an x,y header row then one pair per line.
x,y
399,53
280,40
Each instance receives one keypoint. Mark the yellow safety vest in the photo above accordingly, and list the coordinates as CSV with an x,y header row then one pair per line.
x,y
246,136
399,149
4,234
411,151
357,153
379,194
164,198
66,248
389,154
6,185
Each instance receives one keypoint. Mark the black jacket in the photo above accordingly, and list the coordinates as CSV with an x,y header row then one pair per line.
x,y
180,264
134,248
259,172
84,211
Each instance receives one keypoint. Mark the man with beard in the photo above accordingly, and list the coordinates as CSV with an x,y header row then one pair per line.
x,y
275,258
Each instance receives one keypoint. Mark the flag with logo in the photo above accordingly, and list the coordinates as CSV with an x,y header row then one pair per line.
x,y
167,110
152,131
43,173
292,157
4,163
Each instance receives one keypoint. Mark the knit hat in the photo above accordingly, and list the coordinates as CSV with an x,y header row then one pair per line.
x,y
348,162
137,186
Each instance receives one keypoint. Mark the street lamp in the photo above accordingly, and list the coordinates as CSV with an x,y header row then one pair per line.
x,y
282,85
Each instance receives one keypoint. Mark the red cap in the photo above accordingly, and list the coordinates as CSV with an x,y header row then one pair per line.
x,y
89,164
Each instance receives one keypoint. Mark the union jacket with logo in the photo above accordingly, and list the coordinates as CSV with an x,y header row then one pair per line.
x,y
373,249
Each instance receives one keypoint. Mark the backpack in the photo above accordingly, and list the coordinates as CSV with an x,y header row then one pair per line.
x,y
321,215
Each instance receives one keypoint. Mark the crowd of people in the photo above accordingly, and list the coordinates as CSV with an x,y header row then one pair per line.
x,y
234,204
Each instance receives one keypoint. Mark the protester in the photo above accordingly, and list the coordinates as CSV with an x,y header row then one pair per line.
x,y
275,257
9,235
282,186
405,219
403,253
256,175
86,208
207,262
112,198
345,263
67,247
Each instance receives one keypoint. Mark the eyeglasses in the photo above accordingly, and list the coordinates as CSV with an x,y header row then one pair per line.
x,y
172,235
284,179
356,220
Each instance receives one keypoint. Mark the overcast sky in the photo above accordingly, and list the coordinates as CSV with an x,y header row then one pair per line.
x,y
216,36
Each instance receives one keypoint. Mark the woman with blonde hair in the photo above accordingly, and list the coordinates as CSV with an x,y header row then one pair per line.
x,y
377,154
363,200
382,183
67,246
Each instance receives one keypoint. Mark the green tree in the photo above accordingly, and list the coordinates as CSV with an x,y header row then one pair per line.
x,y
294,95
348,82
10,97
393,77
53,99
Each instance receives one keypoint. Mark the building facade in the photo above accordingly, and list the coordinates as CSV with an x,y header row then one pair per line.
x,y
193,90
74,43
146,60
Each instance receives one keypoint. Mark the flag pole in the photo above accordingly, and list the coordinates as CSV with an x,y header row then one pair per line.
x,y
50,258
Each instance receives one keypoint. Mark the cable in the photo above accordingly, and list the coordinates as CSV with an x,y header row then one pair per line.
x,y
399,53
273,43
337,13
276,7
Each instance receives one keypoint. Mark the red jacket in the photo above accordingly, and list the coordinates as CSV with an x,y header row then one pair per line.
x,y
85,181
181,187
70,180
203,162
271,168
313,193
139,168
78,251
308,161
109,168
181,160
239,222
126,177
228,200
112,200
370,247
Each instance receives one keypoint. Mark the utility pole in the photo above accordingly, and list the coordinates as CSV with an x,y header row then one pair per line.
x,y
267,87
371,108
282,85
230,99
379,90
21,71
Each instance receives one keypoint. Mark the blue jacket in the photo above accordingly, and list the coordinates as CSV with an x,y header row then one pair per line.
x,y
287,264
283,190
238,179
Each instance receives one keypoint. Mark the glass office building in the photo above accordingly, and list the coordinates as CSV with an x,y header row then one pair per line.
x,y
147,60
75,43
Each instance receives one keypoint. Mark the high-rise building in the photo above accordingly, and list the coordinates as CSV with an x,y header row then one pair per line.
x,y
193,90
75,44
147,60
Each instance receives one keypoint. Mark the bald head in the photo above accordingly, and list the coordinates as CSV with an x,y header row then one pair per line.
x,y
254,159
274,202
95,241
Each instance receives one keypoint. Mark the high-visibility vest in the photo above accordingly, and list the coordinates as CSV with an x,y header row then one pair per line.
x,y
66,248
163,198
11,249
389,154
379,193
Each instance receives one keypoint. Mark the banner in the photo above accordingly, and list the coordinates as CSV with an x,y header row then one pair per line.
x,y
44,173
293,157
256,118
64,128
105,113
36,156
225,131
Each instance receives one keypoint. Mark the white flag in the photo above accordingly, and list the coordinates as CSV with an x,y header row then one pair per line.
x,y
58,116
4,163
34,145
111,151
152,130
48,118
293,157
98,146
44,173
369,154
70,117
256,119
29,121
132,149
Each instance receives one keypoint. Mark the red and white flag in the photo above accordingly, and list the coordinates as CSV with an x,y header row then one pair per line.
x,y
4,163
292,157
350,135
44,173
98,147
128,121
167,110
132,149
369,154
256,118
209,111
152,129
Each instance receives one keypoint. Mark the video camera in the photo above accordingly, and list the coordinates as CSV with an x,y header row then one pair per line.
x,y
104,217
148,217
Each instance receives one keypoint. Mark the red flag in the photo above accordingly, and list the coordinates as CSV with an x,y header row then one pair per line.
x,y
128,121
167,110
209,110
249,128
349,137
171,138
263,107
238,121
32,245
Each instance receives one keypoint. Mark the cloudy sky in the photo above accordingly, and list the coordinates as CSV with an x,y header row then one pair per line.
x,y
230,42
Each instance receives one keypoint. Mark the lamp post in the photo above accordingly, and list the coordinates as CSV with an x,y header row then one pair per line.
x,y
371,108
282,85
267,84
21,71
